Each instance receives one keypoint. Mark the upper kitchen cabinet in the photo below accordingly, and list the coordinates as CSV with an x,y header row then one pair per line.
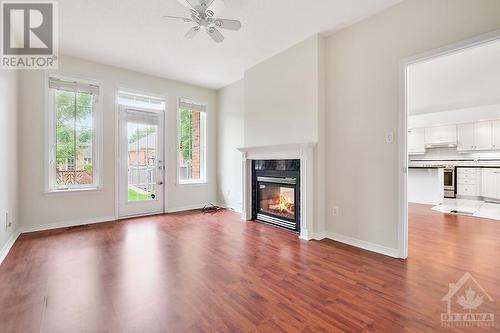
x,y
495,137
416,141
441,135
482,135
474,136
465,137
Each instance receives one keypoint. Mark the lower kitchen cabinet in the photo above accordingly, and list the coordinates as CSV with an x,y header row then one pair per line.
x,y
468,181
490,183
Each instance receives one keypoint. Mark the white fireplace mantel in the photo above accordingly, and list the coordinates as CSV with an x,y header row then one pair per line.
x,y
301,151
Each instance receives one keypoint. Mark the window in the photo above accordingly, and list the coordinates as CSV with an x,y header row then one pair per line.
x,y
192,149
73,148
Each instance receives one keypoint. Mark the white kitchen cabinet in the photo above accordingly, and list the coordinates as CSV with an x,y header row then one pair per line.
x,y
416,141
468,181
495,134
465,137
474,136
490,183
441,135
482,135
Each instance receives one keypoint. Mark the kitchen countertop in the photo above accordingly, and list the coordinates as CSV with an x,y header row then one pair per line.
x,y
427,167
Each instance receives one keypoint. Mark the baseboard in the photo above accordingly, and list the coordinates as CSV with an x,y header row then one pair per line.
x,y
184,208
320,235
66,224
8,245
364,244
234,208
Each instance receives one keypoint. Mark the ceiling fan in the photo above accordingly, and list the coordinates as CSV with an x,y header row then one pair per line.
x,y
204,18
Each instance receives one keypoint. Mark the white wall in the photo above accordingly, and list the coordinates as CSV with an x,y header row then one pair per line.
x,y
363,103
8,154
281,97
230,135
38,208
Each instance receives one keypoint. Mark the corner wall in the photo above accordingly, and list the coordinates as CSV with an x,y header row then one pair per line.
x,y
230,135
8,158
282,97
362,64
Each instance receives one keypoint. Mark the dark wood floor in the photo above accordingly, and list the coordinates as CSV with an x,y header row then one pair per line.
x,y
191,272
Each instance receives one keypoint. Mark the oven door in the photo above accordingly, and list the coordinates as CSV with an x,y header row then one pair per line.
x,y
449,179
449,183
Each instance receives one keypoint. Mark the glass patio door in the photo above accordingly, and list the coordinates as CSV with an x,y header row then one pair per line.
x,y
141,162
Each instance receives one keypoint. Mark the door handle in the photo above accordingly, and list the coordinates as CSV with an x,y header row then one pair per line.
x,y
159,183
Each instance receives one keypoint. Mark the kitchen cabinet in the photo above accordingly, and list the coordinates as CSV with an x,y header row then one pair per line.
x,y
416,141
495,137
468,181
441,135
490,183
482,135
474,136
465,137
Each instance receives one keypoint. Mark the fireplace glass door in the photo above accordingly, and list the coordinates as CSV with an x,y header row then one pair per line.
x,y
277,200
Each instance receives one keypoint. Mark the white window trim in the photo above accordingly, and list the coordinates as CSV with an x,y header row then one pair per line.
x,y
204,178
97,144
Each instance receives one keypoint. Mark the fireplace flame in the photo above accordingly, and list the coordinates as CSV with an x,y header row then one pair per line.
x,y
283,203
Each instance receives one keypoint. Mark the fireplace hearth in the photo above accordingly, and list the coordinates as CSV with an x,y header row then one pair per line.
x,y
276,197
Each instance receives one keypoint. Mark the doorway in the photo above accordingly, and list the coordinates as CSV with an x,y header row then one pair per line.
x,y
141,174
435,137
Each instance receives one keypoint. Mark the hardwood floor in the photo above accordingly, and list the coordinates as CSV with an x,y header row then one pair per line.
x,y
191,272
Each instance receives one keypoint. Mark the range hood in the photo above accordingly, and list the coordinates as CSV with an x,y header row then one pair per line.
x,y
431,145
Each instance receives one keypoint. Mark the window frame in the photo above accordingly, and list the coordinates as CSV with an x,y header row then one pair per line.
x,y
50,137
203,180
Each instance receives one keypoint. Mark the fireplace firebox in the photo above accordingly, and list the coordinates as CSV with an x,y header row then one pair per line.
x,y
276,197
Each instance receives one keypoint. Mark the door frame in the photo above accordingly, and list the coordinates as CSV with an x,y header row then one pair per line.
x,y
124,88
403,123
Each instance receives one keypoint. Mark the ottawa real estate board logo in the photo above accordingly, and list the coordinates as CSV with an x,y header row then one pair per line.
x,y
466,302
29,35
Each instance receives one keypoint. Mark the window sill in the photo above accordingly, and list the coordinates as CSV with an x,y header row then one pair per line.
x,y
73,190
193,183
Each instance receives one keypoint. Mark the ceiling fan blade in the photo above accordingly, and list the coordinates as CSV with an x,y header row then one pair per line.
x,y
215,34
185,19
194,4
227,24
192,32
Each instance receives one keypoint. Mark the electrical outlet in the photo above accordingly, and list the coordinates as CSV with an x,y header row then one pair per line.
x,y
336,211
389,137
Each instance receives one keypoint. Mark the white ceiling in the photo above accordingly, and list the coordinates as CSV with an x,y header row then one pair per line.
x,y
466,79
132,34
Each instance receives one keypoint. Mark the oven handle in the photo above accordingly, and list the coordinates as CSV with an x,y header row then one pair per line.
x,y
291,181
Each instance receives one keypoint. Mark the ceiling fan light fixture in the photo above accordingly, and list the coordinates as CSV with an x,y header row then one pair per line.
x,y
203,13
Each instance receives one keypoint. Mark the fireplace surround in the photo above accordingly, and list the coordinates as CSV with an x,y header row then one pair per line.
x,y
276,193
305,152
